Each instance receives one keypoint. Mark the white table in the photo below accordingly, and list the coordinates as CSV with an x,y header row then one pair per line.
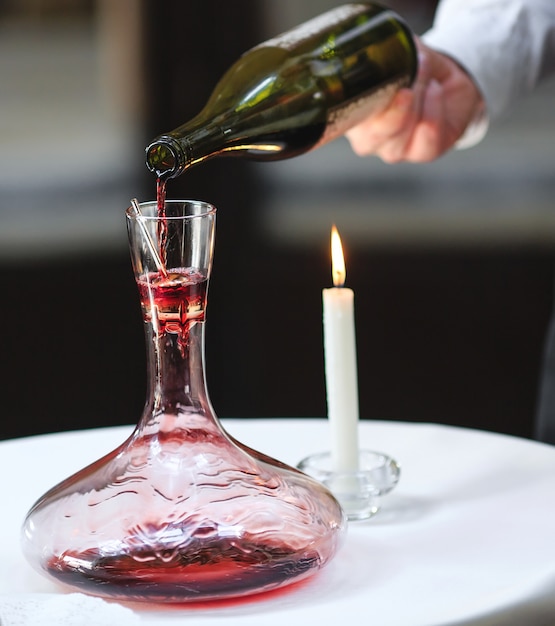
x,y
467,537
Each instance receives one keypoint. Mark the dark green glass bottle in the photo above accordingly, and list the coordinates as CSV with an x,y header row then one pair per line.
x,y
297,91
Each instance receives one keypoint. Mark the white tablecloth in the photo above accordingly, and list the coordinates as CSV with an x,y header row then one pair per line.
x,y
467,536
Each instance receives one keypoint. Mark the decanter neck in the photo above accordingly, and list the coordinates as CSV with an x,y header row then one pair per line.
x,y
176,385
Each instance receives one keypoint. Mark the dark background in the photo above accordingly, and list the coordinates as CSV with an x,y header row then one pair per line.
x,y
449,330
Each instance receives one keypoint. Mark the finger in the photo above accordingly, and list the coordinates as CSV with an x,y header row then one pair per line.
x,y
366,137
430,136
394,146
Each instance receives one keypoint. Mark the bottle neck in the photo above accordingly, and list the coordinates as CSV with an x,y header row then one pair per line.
x,y
171,154
165,157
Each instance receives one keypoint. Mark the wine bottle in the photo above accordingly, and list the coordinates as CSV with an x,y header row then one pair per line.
x,y
296,91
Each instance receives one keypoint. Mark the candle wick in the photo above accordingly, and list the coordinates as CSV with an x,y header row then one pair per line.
x,y
338,279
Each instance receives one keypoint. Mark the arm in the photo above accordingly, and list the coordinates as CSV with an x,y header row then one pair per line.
x,y
503,48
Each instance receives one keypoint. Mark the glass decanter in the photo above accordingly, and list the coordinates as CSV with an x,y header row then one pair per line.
x,y
181,511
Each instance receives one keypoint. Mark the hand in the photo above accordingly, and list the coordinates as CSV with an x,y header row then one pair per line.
x,y
425,121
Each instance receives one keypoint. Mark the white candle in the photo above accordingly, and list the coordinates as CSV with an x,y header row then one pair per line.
x,y
341,365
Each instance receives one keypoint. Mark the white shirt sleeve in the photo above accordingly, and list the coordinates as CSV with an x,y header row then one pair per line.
x,y
508,46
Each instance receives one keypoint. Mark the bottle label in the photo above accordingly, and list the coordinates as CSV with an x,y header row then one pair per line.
x,y
292,38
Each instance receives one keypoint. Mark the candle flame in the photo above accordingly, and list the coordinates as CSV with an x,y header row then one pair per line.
x,y
338,271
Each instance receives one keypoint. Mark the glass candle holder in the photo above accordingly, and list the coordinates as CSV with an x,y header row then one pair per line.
x,y
180,511
359,491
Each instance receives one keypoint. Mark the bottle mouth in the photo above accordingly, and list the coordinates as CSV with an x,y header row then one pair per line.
x,y
164,157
